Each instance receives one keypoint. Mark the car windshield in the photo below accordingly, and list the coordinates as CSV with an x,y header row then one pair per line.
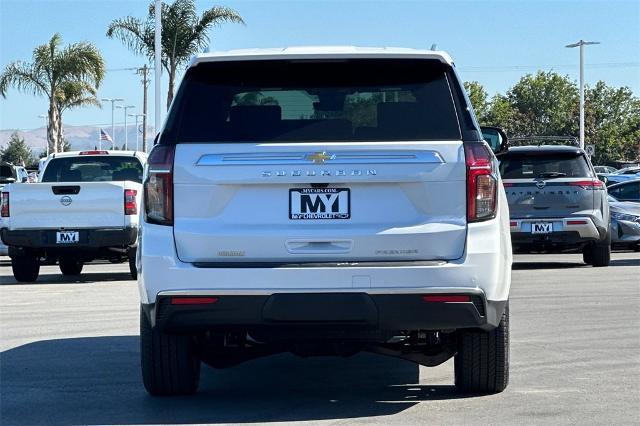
x,y
524,165
314,100
93,169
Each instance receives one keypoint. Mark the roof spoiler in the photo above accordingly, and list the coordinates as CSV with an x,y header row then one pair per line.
x,y
544,140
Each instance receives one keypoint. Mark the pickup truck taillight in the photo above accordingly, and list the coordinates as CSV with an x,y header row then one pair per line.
x,y
5,204
130,204
482,182
158,187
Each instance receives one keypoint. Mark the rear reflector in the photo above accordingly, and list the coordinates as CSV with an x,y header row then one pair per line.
x,y
93,152
576,222
506,184
512,223
193,300
446,298
5,204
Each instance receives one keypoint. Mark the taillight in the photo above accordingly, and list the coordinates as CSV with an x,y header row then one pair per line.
x,y
158,187
5,205
481,182
130,204
592,184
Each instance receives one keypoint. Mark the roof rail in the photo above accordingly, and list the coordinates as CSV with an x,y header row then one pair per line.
x,y
544,140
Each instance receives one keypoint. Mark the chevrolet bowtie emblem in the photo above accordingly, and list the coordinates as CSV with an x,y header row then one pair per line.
x,y
319,157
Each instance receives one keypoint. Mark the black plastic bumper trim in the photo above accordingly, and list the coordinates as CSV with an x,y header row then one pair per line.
x,y
317,310
89,238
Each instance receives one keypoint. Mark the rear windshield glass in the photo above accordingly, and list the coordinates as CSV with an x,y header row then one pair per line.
x,y
93,169
6,172
522,166
290,101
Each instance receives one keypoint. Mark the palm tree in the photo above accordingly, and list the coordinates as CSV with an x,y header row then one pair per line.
x,y
184,33
73,94
53,71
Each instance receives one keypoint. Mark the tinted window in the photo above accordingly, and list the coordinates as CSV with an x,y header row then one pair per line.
x,y
6,172
290,101
93,169
628,191
526,165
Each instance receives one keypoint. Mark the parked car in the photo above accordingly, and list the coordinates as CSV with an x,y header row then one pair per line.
x,y
604,169
556,203
10,173
357,209
625,223
623,175
85,208
626,191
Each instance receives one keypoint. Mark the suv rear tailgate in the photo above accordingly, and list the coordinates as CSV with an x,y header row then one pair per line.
x,y
233,202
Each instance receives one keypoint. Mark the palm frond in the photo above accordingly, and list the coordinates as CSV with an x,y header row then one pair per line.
x,y
24,77
80,61
136,35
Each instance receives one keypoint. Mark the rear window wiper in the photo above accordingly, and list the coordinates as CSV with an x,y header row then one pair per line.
x,y
551,175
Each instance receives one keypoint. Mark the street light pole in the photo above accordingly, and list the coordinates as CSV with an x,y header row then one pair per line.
x,y
126,136
158,63
137,132
113,131
46,124
581,44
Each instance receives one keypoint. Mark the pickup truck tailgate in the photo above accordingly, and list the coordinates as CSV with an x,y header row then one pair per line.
x,y
67,205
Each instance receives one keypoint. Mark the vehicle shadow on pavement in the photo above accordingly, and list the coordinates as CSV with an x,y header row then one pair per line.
x,y
547,265
84,278
97,381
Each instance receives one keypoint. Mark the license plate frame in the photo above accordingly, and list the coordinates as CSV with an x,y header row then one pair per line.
x,y
303,199
538,228
67,237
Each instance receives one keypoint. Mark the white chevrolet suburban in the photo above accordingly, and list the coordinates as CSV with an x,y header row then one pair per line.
x,y
323,201
84,208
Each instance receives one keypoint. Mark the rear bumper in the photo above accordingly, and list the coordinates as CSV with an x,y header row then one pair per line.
x,y
571,232
89,238
350,315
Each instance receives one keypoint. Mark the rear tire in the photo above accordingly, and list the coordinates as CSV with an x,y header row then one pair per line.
x,y
600,252
482,362
132,263
70,265
169,362
25,268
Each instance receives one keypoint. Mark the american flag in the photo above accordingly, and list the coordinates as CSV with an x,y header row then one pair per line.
x,y
104,136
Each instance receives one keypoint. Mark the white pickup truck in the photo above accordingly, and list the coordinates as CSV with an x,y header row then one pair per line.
x,y
85,208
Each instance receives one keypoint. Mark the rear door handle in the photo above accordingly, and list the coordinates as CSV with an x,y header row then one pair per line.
x,y
318,246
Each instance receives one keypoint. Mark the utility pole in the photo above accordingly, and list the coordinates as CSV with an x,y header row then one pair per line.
x,y
126,135
581,44
158,63
144,71
137,131
113,127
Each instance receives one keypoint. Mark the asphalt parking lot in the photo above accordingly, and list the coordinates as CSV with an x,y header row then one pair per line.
x,y
70,356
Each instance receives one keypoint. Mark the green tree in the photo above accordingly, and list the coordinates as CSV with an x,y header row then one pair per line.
x,y
612,123
52,71
184,33
16,151
74,94
545,104
479,100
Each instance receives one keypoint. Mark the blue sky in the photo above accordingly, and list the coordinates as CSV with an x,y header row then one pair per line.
x,y
493,42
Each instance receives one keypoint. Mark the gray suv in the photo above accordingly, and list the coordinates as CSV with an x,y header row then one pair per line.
x,y
556,202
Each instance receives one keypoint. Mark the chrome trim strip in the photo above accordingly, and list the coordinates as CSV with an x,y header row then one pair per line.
x,y
368,290
341,158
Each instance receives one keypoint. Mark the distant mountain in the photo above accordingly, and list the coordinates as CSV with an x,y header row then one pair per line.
x,y
80,137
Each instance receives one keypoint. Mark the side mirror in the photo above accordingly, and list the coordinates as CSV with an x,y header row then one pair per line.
x,y
25,179
496,138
